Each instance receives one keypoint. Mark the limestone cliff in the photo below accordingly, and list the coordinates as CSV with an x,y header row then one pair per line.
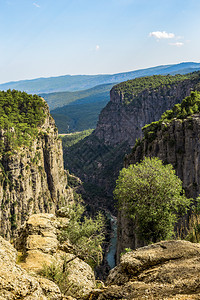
x,y
177,143
32,177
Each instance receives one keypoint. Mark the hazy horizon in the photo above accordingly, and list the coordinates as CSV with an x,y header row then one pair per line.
x,y
46,77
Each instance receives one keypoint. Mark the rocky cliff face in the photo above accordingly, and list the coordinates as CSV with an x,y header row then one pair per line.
x,y
32,179
38,243
177,143
165,270
16,283
120,122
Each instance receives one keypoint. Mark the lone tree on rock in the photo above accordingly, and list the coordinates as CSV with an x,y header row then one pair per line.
x,y
152,195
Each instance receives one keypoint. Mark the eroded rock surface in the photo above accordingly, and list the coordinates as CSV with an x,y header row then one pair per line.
x,y
165,270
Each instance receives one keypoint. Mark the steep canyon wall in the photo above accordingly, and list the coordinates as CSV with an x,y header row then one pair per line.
x,y
32,179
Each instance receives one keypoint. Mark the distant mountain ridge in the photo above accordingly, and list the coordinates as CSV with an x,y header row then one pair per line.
x,y
98,93
82,82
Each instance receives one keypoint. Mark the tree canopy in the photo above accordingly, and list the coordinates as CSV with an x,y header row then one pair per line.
x,y
152,195
20,115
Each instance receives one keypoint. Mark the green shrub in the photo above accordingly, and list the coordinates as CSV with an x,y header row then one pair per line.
x,y
126,250
193,227
85,234
57,272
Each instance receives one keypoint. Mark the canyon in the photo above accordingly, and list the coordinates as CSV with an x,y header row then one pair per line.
x,y
34,188
98,158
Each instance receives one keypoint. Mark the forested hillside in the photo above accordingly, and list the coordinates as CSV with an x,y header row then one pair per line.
x,y
60,99
78,111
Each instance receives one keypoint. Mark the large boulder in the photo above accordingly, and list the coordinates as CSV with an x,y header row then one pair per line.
x,y
165,270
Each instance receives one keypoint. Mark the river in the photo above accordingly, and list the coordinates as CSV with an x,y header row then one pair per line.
x,y
110,257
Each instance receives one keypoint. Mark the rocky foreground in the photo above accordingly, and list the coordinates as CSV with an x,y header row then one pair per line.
x,y
165,270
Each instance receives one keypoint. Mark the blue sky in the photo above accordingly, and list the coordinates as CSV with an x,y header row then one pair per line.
x,y
44,38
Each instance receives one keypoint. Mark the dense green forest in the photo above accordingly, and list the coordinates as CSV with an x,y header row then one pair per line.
x,y
20,115
77,111
79,117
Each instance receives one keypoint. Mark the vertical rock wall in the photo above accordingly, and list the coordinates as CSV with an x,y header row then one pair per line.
x,y
32,179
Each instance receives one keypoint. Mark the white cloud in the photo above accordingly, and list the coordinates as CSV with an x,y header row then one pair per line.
x,y
162,35
177,44
97,47
36,5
